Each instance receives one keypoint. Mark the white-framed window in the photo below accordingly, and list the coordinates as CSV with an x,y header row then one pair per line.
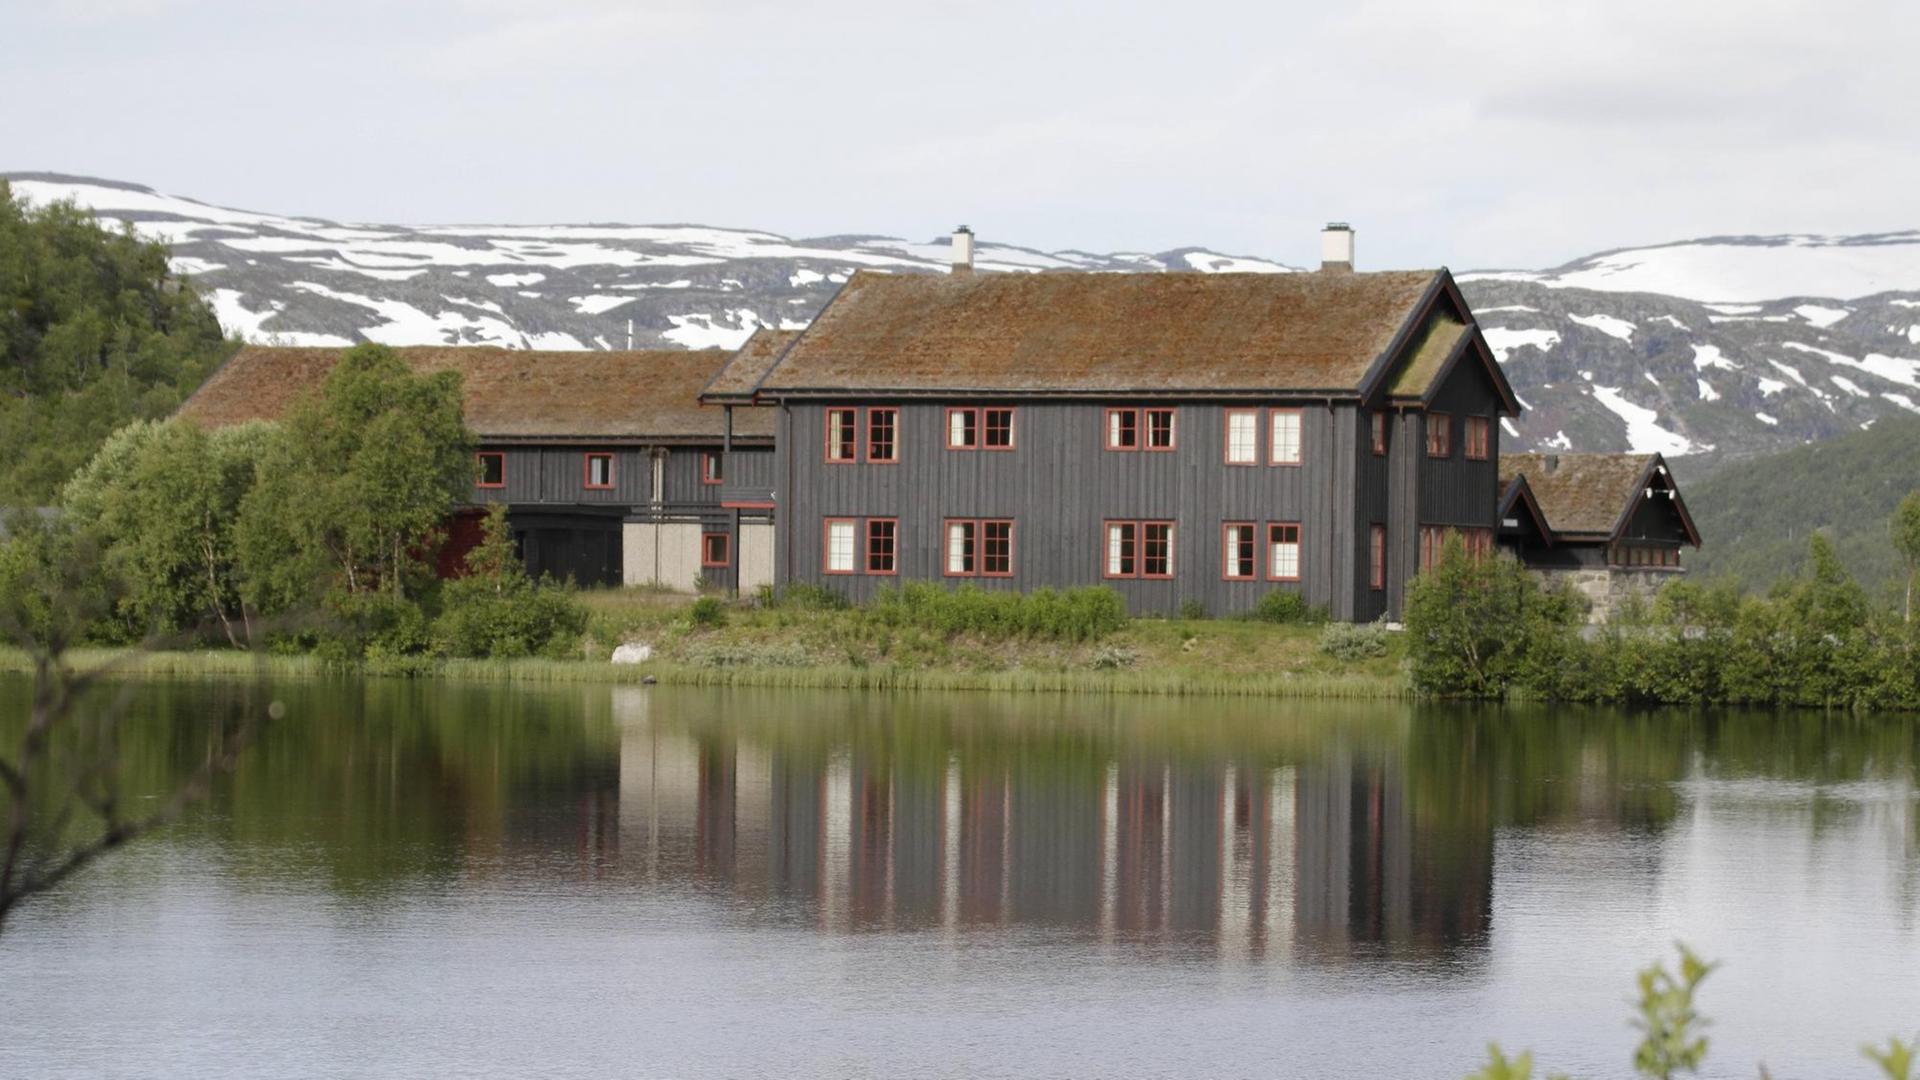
x,y
1243,437
1285,446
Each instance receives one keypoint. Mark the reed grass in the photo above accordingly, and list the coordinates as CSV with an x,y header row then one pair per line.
x,y
1169,683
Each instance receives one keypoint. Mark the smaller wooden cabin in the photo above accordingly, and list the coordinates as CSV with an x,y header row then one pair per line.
x,y
612,470
1613,524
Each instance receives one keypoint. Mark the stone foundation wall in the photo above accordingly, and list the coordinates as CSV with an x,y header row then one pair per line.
x,y
1606,588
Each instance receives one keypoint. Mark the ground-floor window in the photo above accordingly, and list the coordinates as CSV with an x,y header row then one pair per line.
x,y
883,537
1237,551
1433,542
716,549
979,547
839,546
1655,556
1139,549
1283,551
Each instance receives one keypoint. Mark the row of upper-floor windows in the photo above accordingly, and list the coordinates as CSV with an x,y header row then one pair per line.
x,y
596,469
1250,436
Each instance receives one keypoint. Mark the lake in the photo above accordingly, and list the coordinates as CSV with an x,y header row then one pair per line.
x,y
432,879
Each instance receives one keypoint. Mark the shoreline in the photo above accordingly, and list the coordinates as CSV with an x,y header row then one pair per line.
x,y
222,663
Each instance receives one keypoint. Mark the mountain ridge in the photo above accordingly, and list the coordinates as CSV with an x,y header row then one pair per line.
x,y
1758,343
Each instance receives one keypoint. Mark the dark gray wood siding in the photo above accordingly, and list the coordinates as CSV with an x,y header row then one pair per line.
x,y
1060,485
557,475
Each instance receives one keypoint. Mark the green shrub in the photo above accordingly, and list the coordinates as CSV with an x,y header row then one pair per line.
x,y
1282,606
1082,614
1354,641
802,596
1193,610
708,612
367,625
497,611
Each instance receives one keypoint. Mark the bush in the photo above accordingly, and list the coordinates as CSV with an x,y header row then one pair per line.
x,y
1082,614
1354,641
497,611
708,612
1281,606
1193,610
804,597
1114,658
374,626
715,655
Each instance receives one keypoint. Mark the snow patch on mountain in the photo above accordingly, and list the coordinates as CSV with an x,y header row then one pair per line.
x,y
1609,325
1503,341
1644,433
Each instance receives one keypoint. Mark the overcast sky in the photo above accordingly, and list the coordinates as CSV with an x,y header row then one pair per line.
x,y
1469,133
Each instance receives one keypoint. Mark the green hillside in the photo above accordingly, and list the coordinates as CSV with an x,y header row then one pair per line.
x,y
1755,515
95,330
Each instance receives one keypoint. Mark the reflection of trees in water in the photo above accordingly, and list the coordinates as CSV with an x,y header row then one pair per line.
x,y
1254,828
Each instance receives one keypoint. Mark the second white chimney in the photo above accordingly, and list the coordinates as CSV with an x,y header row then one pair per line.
x,y
963,250
1336,248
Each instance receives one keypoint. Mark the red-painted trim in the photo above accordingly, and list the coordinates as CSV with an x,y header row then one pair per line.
x,y
586,472
1173,552
827,444
867,548
1446,429
1013,427
1300,436
1106,430
1485,428
1227,559
826,546
746,506
1376,556
726,550
1299,543
481,457
1106,530
946,547
711,463
1377,433
1146,431
946,421
981,548
893,441
1226,436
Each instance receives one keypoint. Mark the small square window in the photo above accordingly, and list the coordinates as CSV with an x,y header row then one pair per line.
x,y
1159,429
716,549
493,470
997,425
712,467
599,471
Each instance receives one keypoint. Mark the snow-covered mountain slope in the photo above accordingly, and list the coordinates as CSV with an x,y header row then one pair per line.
x,y
308,281
1731,346
1744,269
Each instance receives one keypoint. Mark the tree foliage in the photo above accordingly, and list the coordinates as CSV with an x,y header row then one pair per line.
x,y
497,611
95,330
1479,626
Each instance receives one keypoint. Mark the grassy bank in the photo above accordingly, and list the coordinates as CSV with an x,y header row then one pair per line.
x,y
746,645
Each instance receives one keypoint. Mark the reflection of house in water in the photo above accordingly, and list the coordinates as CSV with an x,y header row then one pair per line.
x,y
1321,858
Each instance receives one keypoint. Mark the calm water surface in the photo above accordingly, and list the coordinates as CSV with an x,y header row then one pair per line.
x,y
433,880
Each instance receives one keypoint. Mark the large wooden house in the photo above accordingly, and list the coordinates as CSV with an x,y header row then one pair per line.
x,y
611,468
1182,437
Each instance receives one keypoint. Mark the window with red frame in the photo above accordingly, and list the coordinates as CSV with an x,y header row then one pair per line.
x,y
1479,438
1379,434
716,549
1242,437
1237,551
997,425
712,471
1159,429
883,427
1156,549
996,548
1284,446
493,470
1283,551
1433,540
599,471
1123,429
1377,556
883,535
962,550
1439,435
843,435
963,429
1123,549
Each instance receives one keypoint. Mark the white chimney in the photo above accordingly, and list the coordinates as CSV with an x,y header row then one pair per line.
x,y
963,250
1336,248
